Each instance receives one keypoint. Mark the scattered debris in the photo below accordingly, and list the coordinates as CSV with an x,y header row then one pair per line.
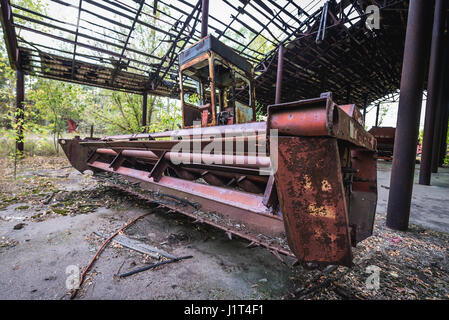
x,y
105,243
123,275
413,264
22,208
49,198
19,226
177,237
138,246
8,243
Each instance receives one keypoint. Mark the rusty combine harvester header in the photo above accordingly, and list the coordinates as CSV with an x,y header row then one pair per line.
x,y
303,183
385,141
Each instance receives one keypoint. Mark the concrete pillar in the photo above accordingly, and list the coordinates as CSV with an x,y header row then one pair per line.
x,y
20,96
435,69
409,110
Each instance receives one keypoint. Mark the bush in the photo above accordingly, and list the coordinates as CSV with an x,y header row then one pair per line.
x,y
34,144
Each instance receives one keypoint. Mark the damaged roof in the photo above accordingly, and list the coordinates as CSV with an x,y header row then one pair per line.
x,y
328,46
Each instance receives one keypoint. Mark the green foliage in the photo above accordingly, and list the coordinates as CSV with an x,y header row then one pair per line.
x,y
120,112
167,116
260,46
7,89
53,104
49,104
383,110
39,145
261,115
194,98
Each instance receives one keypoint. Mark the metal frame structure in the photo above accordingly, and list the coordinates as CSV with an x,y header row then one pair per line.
x,y
84,53
326,48
210,63
313,196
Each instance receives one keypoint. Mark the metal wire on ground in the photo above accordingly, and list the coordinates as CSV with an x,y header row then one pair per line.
x,y
105,243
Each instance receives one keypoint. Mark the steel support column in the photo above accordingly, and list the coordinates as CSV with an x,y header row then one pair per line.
x,y
435,69
438,130
144,110
443,142
204,18
442,102
364,109
280,68
9,34
20,96
409,110
377,114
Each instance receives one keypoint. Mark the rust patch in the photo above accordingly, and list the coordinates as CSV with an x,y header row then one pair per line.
x,y
325,186
307,182
321,211
316,222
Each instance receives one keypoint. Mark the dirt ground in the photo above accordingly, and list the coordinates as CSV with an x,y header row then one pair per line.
x,y
49,215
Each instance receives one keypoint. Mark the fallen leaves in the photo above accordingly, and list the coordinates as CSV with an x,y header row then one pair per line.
x,y
413,265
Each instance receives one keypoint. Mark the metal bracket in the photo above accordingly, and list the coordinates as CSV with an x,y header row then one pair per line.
x,y
158,170
270,195
117,162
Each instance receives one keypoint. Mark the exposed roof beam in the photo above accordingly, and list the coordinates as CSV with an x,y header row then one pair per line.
x,y
9,33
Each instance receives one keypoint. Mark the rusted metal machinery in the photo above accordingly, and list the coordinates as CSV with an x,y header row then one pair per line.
x,y
303,183
385,141
211,66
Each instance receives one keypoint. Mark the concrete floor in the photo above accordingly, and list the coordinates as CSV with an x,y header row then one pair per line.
x,y
430,204
35,266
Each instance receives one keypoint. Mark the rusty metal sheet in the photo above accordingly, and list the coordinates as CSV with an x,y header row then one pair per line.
x,y
354,112
312,199
318,117
239,206
301,118
235,129
243,113
76,154
348,129
323,195
363,200
254,238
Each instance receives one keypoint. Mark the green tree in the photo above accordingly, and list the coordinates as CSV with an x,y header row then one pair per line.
x,y
54,103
